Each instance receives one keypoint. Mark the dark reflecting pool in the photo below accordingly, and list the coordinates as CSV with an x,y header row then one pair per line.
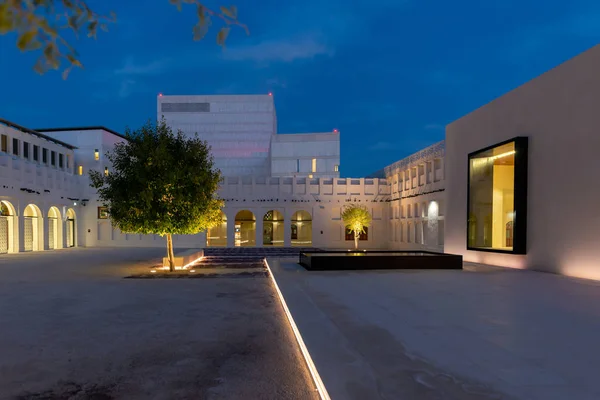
x,y
357,260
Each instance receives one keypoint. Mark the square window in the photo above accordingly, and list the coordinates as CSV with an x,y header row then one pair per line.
x,y
102,212
497,198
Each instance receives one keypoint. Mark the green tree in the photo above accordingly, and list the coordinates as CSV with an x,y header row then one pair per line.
x,y
161,183
356,217
40,25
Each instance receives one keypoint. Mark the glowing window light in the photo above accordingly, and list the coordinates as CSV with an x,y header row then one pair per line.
x,y
96,154
80,170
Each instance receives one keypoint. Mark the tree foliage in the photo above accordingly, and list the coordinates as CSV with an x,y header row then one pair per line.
x,y
161,183
356,217
41,24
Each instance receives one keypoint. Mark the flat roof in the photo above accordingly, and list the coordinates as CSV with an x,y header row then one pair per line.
x,y
35,133
83,128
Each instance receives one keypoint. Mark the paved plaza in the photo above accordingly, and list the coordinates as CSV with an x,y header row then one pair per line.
x,y
480,333
72,328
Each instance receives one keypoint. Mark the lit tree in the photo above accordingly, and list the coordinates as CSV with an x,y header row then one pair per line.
x,y
40,24
161,183
356,217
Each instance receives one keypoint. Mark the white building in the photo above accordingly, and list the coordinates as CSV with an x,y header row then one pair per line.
x,y
526,168
242,133
297,202
39,192
514,183
417,200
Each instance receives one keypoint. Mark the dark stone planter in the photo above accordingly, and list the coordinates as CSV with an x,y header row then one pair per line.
x,y
365,260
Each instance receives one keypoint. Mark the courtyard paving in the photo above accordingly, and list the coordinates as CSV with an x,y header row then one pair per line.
x,y
480,333
72,328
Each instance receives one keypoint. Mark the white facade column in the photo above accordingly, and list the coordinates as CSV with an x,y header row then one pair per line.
x,y
45,233
20,245
258,229
287,228
231,229
63,231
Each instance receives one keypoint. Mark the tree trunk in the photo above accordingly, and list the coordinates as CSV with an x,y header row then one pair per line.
x,y
170,253
356,240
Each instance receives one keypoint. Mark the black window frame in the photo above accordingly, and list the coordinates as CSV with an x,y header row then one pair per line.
x,y
60,160
36,152
15,147
53,158
45,155
26,150
520,196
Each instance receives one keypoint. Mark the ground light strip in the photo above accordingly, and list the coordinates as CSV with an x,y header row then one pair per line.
x,y
309,362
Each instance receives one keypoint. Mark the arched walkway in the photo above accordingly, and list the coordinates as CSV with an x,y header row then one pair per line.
x,y
9,236
245,229
71,228
301,229
33,228
273,228
54,229
217,236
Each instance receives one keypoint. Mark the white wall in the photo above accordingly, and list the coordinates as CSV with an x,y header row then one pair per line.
x,y
558,111
290,151
24,181
237,127
417,210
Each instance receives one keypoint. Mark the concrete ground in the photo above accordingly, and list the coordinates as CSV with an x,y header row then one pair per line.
x,y
480,333
72,328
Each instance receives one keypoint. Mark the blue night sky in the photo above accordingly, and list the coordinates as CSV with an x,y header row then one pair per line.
x,y
389,74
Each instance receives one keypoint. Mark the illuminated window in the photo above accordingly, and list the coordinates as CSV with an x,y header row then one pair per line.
x,y
336,168
363,236
4,144
314,165
96,155
497,185
310,176
105,171
80,170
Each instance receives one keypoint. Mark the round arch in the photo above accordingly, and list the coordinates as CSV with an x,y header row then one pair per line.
x,y
54,228
301,229
9,234
33,228
245,229
217,236
71,226
273,229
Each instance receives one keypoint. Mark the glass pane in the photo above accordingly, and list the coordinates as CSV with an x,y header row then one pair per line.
x,y
492,198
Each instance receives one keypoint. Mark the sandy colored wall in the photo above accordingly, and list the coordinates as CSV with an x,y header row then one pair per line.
x,y
558,111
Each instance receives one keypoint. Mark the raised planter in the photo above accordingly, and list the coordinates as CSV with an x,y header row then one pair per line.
x,y
183,258
365,260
